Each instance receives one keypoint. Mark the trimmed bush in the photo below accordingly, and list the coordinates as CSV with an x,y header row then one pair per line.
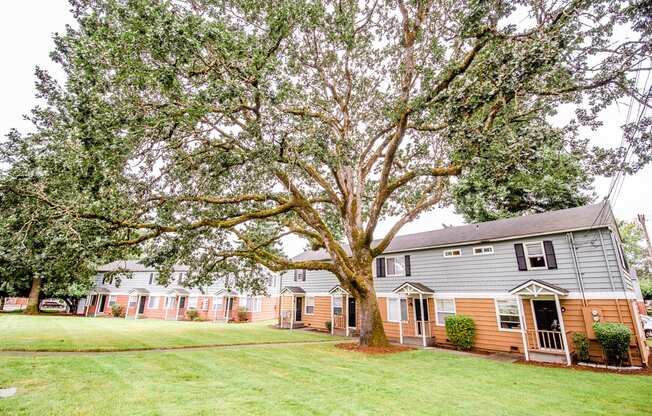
x,y
329,325
242,314
581,344
192,314
460,330
117,310
614,339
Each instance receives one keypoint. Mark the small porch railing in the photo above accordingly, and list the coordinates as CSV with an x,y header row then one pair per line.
x,y
546,340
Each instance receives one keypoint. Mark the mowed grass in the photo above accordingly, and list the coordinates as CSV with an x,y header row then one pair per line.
x,y
315,379
60,333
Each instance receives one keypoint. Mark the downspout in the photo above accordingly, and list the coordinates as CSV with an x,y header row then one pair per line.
x,y
578,270
611,280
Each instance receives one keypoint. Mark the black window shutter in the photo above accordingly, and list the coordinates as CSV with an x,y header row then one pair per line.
x,y
520,256
380,267
303,275
408,268
296,272
551,260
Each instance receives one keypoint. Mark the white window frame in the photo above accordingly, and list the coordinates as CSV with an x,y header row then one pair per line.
x,y
192,302
527,255
307,303
437,311
398,303
152,279
300,275
204,304
396,260
518,309
451,252
341,307
482,251
113,299
133,301
217,303
157,301
169,302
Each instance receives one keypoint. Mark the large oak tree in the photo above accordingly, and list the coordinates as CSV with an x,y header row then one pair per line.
x,y
209,130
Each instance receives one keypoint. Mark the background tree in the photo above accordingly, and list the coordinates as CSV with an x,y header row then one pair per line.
x,y
634,248
213,129
517,177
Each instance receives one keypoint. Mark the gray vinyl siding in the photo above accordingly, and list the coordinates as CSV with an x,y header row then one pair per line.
x,y
141,280
496,272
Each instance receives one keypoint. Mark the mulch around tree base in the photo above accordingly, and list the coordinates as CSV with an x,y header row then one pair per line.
x,y
391,349
641,372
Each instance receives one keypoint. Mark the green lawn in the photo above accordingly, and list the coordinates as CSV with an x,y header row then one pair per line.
x,y
309,379
282,379
22,332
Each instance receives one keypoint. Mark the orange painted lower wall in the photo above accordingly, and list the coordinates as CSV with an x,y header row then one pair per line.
x,y
204,307
489,336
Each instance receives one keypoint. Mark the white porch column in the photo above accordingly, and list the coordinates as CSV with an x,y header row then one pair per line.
x,y
97,305
214,304
423,320
137,306
400,320
346,321
292,312
87,306
332,315
521,314
165,305
176,300
127,308
563,330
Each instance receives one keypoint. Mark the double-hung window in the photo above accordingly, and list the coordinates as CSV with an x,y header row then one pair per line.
x,y
393,266
153,302
151,278
300,275
217,302
169,302
397,310
536,257
252,304
192,302
507,313
112,300
337,305
444,309
310,305
204,304
132,301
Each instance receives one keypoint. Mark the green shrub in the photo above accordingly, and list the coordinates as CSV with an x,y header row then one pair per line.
x,y
192,314
614,339
117,310
581,344
646,288
329,325
460,330
243,314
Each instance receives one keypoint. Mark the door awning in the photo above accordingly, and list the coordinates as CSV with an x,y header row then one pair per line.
x,y
139,291
338,290
537,288
292,290
414,288
224,292
101,291
178,292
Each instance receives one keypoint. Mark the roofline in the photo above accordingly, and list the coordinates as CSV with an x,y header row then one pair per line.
x,y
469,243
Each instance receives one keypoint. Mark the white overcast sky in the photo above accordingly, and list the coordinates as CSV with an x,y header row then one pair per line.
x,y
26,29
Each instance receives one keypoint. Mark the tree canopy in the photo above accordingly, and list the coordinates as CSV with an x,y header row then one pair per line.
x,y
207,131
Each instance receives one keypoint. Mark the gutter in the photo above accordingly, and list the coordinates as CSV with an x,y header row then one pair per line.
x,y
578,269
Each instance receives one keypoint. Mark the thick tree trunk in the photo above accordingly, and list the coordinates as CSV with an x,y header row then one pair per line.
x,y
34,297
372,331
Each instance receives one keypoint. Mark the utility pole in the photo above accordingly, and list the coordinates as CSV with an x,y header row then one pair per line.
x,y
641,219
